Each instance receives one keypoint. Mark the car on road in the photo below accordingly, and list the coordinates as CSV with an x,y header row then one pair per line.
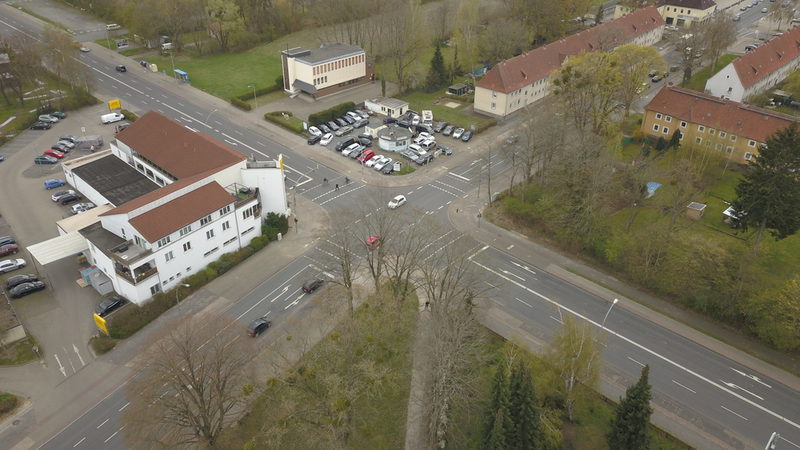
x,y
57,195
8,249
382,164
45,160
108,305
466,136
11,264
26,288
366,156
258,326
314,131
16,280
397,202
53,183
81,207
326,139
48,118
446,150
53,153
764,10
41,125
657,78
312,285
105,119
69,199
373,242
120,68
85,49
313,139
5,240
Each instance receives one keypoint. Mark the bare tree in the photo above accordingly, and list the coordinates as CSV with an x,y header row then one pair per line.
x,y
224,20
341,258
718,33
191,383
688,46
403,36
541,136
376,222
635,63
502,39
409,245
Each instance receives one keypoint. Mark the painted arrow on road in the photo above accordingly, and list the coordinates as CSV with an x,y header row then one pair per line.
x,y
285,288
74,347
60,367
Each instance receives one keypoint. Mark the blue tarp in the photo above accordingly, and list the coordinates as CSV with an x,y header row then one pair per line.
x,y
652,186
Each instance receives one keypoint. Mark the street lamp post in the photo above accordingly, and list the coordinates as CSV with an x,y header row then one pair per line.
x,y
294,206
255,102
108,40
177,289
609,312
172,58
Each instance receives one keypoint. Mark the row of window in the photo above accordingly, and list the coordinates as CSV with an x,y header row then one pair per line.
x,y
346,62
320,80
674,9
188,228
701,129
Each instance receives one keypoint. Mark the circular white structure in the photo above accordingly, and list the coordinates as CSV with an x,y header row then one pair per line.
x,y
394,139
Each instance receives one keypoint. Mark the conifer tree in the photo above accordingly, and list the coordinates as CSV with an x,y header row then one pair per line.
x,y
437,75
523,410
629,425
497,436
497,403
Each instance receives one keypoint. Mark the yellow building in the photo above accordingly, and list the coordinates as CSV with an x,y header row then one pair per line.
x,y
735,129
678,13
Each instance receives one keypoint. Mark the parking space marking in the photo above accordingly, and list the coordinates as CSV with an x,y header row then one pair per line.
x,y
459,176
443,190
450,186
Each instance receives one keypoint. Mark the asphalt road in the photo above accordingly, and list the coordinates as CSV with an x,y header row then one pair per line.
x,y
737,405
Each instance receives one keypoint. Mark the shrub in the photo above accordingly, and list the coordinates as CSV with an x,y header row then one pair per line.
x,y
258,243
7,402
279,221
271,233
331,113
129,116
102,344
241,104
262,91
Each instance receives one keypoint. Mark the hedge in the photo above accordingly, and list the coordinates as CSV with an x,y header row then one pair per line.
x,y
263,91
132,318
291,123
241,104
331,113
7,402
129,116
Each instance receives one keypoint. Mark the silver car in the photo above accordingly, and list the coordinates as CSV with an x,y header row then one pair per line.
x,y
11,264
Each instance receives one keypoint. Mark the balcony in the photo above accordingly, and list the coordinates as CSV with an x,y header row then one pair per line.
x,y
138,275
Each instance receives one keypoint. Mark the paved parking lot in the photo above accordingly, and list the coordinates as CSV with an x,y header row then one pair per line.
x,y
60,316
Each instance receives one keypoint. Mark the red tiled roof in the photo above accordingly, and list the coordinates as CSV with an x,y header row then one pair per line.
x,y
175,148
733,117
522,70
182,211
759,63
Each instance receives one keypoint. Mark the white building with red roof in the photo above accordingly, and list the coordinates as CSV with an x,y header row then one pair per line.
x,y
171,201
522,80
758,70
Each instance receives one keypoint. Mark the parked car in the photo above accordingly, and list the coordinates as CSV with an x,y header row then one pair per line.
x,y
448,130
81,207
421,160
365,142
397,202
374,160
341,122
58,114
324,128
344,144
365,136
57,195
363,114
373,242
388,120
69,138
106,119
439,127
357,152
457,133
8,249
466,136
312,285
65,143
380,165
16,280
11,264
366,156
361,123
354,115
41,125
258,326
404,123
53,183
314,131
108,305
60,148
415,120
348,119
326,139
388,168
120,68
2,158
45,160
48,118
26,288
343,130
422,137
53,153
657,78
314,139
350,149
69,199
5,240
332,125
85,49
446,150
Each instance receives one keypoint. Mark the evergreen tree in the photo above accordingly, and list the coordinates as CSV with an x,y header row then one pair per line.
x,y
768,197
437,75
629,425
497,435
498,402
523,410
675,140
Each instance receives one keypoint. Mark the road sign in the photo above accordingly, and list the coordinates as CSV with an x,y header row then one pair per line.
x,y
101,323
114,104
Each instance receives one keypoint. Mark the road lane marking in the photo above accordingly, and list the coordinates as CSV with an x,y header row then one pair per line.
x,y
124,406
735,414
60,367
190,128
513,275
112,436
74,347
459,176
523,302
637,362
79,442
510,247
733,386
557,320
690,390
104,422
752,377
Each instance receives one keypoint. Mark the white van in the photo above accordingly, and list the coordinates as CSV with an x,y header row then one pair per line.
x,y
112,27
111,118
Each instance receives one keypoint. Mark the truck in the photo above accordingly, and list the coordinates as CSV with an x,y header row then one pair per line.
x,y
92,142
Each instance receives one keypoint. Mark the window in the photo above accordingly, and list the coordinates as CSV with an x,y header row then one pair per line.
x,y
187,246
210,234
229,241
494,94
163,241
494,105
752,143
748,156
205,220
729,149
701,128
718,147
225,210
711,131
169,256
185,230
226,225
656,127
211,251
722,134
659,116
155,289
249,212
733,138
683,124
139,241
698,140
668,118
188,269
665,130
247,230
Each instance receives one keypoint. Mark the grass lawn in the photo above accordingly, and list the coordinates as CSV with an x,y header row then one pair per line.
x,y
698,81
20,352
291,123
419,100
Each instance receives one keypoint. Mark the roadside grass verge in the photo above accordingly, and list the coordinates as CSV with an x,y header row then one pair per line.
x,y
20,352
698,80
8,404
286,120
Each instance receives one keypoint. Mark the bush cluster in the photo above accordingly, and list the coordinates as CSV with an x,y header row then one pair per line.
x,y
7,402
331,113
129,116
241,104
102,344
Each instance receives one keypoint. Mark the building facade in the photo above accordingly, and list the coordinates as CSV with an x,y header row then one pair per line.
x,y
678,13
758,70
324,70
513,84
735,130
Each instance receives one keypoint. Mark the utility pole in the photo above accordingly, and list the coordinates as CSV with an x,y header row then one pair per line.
x,y
255,102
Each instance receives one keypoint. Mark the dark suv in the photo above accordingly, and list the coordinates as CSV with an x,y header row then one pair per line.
x,y
16,280
345,143
258,326
312,285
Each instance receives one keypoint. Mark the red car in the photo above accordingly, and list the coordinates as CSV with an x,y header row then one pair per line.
x,y
366,156
8,249
53,153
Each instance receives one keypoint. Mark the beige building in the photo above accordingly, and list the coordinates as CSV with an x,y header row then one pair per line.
x,y
678,13
734,129
522,80
324,70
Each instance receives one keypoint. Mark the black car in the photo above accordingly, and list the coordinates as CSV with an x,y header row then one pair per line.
x,y
314,139
388,120
324,128
108,305
41,126
466,136
121,68
312,285
16,280
5,240
59,115
258,326
26,288
45,160
446,150
69,199
439,127
348,119
344,144
404,124
364,141
388,169
60,148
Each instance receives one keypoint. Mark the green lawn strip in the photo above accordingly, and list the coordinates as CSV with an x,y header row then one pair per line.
x,y
435,102
8,404
20,352
286,120
378,420
698,80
